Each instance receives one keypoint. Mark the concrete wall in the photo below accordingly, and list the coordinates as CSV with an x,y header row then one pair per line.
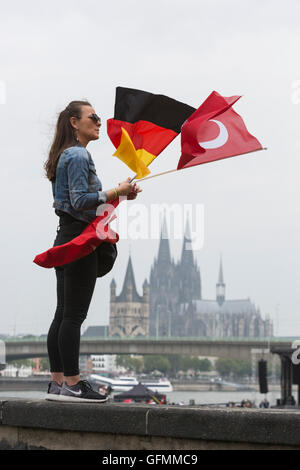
x,y
38,424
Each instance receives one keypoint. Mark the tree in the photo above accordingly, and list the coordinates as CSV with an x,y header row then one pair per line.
x,y
136,364
174,360
133,364
44,363
185,363
234,367
160,363
28,337
205,365
194,363
224,366
242,368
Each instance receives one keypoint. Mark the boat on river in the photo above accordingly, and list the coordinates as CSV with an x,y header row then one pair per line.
x,y
123,384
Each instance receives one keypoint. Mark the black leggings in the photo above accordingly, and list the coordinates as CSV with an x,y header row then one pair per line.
x,y
75,287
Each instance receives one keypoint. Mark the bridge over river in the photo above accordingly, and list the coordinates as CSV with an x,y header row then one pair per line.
x,y
235,348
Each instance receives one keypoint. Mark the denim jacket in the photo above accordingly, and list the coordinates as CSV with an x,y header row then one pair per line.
x,y
77,189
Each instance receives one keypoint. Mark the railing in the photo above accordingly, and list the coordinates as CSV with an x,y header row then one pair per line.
x,y
272,339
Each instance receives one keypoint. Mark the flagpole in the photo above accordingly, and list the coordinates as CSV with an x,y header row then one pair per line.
x,y
153,176
158,174
175,169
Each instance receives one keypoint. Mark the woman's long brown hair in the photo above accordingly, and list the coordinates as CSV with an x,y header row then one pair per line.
x,y
64,136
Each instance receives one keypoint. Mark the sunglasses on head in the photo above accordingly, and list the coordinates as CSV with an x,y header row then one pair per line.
x,y
94,117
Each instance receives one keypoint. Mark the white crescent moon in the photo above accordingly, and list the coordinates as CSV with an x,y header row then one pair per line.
x,y
218,141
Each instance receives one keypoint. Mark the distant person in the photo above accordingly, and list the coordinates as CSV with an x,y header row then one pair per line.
x,y
77,193
264,404
245,404
230,404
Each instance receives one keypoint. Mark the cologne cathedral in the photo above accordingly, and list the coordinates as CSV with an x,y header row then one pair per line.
x,y
171,304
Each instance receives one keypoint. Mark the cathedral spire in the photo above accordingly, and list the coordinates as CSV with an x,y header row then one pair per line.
x,y
187,252
164,255
221,279
187,232
129,287
220,286
190,282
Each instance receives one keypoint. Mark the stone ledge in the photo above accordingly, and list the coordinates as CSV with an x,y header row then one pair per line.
x,y
256,426
17,438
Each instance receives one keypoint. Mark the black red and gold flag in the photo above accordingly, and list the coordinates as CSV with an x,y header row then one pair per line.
x,y
143,125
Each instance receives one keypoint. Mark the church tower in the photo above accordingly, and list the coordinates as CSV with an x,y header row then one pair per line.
x,y
129,312
172,285
189,272
163,287
220,286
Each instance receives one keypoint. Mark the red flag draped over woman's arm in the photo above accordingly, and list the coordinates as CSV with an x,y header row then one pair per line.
x,y
91,237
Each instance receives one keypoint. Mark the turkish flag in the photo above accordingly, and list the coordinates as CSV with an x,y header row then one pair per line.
x,y
214,131
90,238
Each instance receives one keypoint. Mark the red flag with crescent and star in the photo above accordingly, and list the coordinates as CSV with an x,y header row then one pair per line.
x,y
213,132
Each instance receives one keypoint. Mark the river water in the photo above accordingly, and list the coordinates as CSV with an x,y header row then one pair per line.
x,y
181,397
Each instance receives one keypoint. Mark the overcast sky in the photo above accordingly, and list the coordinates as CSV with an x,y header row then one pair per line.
x,y
54,52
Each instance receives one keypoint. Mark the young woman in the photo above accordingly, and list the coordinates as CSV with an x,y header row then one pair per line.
x,y
77,193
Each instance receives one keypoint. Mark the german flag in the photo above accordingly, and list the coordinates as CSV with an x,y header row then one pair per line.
x,y
143,125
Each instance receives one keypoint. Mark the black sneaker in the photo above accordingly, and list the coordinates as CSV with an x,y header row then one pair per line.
x,y
81,392
53,391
